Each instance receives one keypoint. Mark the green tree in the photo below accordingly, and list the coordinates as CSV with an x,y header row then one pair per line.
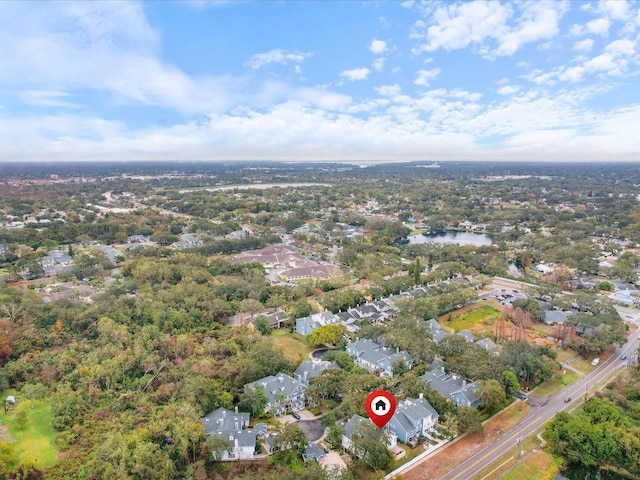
x,y
327,335
22,419
334,434
218,446
468,419
510,383
399,367
164,238
301,308
8,458
415,269
531,306
369,443
492,396
293,437
34,391
262,325
607,286
342,358
254,400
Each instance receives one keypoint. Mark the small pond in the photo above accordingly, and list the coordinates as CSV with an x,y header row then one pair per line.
x,y
318,354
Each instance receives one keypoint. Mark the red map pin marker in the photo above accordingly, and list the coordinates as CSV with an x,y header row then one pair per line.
x,y
380,406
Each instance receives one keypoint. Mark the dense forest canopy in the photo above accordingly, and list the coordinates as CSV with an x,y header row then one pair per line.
x,y
169,333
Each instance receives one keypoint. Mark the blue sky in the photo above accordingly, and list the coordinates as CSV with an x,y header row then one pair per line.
x,y
320,80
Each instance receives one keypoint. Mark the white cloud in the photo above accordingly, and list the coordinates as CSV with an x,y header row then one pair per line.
x,y
378,46
508,90
622,47
388,90
599,26
356,74
539,20
378,63
110,48
583,45
48,98
459,25
572,74
613,61
616,10
321,98
278,56
100,46
480,23
439,124
424,76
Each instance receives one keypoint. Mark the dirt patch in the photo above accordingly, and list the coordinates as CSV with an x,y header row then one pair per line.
x,y
5,436
457,452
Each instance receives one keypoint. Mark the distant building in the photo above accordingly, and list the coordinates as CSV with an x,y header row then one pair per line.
x,y
233,427
413,420
377,358
306,325
308,370
453,387
282,392
436,331
553,317
349,428
488,344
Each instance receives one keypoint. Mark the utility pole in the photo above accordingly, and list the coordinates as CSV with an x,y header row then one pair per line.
x,y
520,451
586,390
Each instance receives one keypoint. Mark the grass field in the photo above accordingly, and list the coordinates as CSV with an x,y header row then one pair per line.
x,y
36,442
479,320
539,465
564,355
292,344
583,365
556,383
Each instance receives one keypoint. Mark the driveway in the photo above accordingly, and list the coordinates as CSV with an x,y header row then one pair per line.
x,y
313,428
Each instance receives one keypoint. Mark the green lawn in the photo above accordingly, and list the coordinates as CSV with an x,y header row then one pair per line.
x,y
556,383
583,365
564,355
292,344
36,442
538,465
481,318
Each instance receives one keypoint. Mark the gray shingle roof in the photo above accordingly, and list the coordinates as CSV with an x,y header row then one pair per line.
x,y
313,452
275,385
308,370
224,420
352,423
451,386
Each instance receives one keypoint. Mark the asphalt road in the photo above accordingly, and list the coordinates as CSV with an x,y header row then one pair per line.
x,y
542,412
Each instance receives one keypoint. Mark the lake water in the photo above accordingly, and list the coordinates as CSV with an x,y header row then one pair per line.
x,y
461,238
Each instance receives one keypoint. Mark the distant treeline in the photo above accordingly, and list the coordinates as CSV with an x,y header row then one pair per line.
x,y
237,245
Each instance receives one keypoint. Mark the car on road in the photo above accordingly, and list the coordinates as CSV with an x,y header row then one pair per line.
x,y
296,415
567,400
623,357
522,396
